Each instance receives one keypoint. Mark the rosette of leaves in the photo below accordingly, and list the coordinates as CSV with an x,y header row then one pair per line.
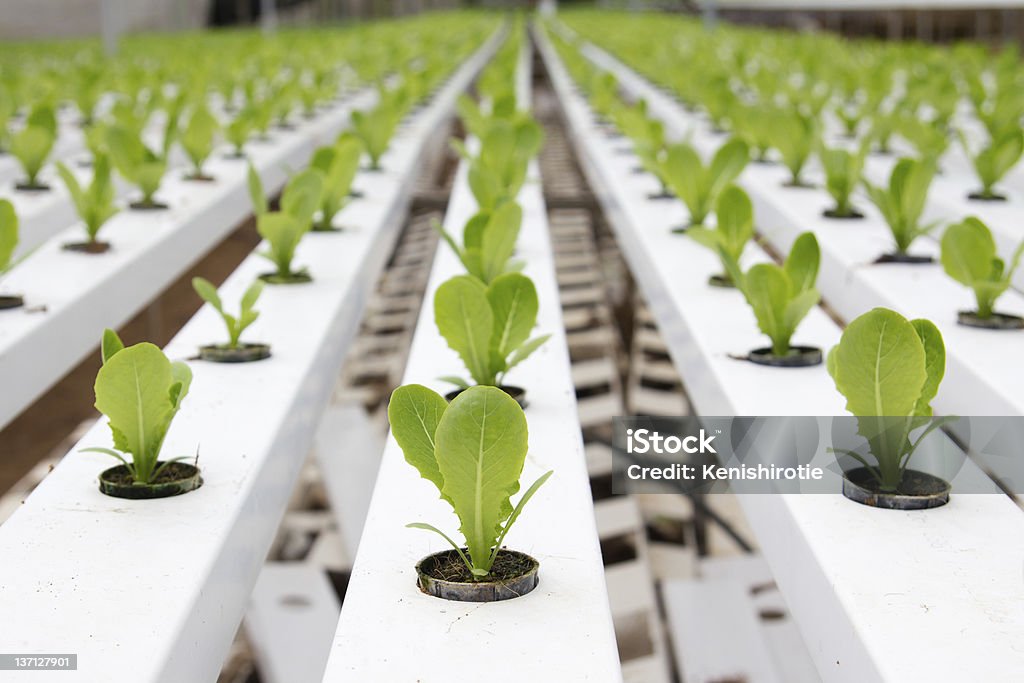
x,y
782,296
247,315
473,450
94,203
138,164
32,145
902,202
734,226
140,391
995,160
339,164
498,171
970,257
489,326
489,239
843,170
889,370
285,228
795,135
697,185
198,139
375,128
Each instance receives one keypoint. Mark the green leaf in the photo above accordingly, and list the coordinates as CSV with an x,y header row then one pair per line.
x,y
199,136
767,289
8,233
518,511
205,289
481,444
803,261
301,196
31,147
463,316
256,193
879,365
283,232
525,351
935,364
499,240
414,413
969,256
110,344
513,300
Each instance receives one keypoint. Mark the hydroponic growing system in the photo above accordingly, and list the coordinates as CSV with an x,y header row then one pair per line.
x,y
809,226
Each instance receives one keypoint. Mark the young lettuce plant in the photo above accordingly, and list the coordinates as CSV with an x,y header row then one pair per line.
x,y
140,391
94,203
697,185
498,172
376,128
781,297
238,131
338,164
139,165
901,204
488,325
234,350
284,229
489,238
198,139
734,226
889,369
969,256
993,162
843,170
33,144
795,135
473,450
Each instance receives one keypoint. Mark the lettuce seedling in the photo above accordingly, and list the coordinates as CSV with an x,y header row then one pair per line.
x,y
488,325
902,203
929,139
782,296
796,136
198,140
498,172
889,369
697,185
284,229
247,315
94,203
969,256
338,164
734,226
139,165
843,170
489,239
993,162
140,391
473,450
33,144
238,131
376,128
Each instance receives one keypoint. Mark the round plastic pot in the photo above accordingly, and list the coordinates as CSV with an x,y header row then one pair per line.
x,y
176,479
31,187
518,393
917,491
148,206
721,281
661,195
444,575
299,278
194,178
243,353
317,227
981,197
852,216
87,247
235,156
996,321
799,186
907,259
798,357
10,301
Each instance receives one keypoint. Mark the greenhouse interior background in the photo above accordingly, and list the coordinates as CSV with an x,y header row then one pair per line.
x,y
396,341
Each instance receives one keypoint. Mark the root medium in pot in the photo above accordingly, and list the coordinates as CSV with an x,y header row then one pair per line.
x,y
444,575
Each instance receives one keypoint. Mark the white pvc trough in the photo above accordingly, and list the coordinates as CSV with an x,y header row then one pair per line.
x,y
155,590
562,631
878,595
